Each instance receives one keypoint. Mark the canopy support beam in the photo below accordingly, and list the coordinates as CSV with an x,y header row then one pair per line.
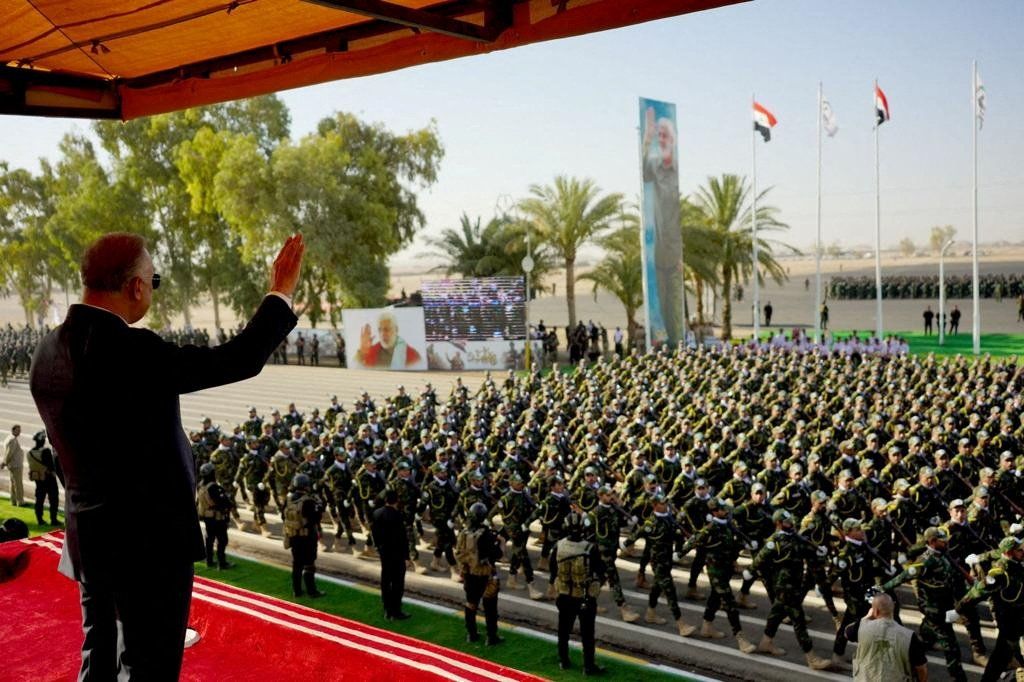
x,y
497,21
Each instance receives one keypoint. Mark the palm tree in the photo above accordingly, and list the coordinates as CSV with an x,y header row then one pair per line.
x,y
725,201
486,251
567,215
620,272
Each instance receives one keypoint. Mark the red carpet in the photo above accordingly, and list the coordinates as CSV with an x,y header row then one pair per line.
x,y
243,635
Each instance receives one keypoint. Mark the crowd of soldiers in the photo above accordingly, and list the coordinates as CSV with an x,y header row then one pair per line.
x,y
17,344
860,470
995,286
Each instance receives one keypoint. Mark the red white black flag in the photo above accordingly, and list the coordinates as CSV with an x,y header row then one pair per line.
x,y
764,121
881,106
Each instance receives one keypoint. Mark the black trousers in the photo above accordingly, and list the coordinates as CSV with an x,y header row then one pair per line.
x,y
46,488
569,609
475,587
303,563
216,531
136,628
392,584
1007,639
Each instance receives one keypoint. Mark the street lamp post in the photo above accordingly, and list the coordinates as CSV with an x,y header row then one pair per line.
x,y
527,264
942,292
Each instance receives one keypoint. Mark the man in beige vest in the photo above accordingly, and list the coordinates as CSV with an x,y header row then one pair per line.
x,y
886,651
14,461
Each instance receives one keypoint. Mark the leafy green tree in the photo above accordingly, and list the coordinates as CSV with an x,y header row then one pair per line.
x,y
620,273
726,203
566,215
349,187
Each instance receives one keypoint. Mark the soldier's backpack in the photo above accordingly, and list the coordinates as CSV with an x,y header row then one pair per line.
x,y
294,522
467,552
574,578
36,468
204,502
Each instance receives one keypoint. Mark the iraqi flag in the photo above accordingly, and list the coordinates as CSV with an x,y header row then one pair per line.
x,y
764,121
881,106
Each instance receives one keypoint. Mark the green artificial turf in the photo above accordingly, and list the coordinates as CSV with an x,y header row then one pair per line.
x,y
996,345
28,515
519,651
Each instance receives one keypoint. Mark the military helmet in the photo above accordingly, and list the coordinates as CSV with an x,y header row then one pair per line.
x,y
477,513
284,444
39,437
301,482
851,525
207,470
819,496
604,490
981,491
574,523
934,533
782,516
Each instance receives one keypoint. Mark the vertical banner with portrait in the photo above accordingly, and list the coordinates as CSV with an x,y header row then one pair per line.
x,y
385,338
661,232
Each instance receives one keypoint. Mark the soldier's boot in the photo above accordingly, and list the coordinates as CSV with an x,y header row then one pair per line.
x,y
744,644
456,575
744,602
542,565
533,592
839,663
552,593
979,656
628,614
309,578
641,581
708,630
692,593
264,530
837,621
435,565
239,523
652,617
512,583
816,662
767,646
369,553
684,628
410,565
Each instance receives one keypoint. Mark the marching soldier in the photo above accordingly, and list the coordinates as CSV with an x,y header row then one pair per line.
x,y
551,513
370,486
280,474
608,523
660,531
516,507
226,468
440,498
213,506
781,561
252,471
816,527
338,483
408,502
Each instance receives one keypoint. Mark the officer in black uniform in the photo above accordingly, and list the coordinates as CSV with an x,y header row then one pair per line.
x,y
478,551
213,506
42,470
578,585
302,512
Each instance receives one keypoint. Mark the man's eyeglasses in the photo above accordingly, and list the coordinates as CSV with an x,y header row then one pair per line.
x,y
156,281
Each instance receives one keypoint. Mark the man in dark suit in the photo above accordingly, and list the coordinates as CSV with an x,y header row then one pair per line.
x,y
135,569
388,530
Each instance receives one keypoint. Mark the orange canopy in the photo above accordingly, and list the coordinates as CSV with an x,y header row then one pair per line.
x,y
131,58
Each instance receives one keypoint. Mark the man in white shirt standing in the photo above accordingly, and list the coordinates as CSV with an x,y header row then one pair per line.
x,y
14,460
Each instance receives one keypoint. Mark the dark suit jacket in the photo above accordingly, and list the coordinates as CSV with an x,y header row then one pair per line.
x,y
108,394
388,530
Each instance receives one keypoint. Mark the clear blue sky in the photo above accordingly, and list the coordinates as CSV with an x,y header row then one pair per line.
x,y
517,117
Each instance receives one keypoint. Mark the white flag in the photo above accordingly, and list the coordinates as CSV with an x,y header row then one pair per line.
x,y
979,100
828,118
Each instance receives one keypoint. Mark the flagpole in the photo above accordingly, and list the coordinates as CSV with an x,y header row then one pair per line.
x,y
816,313
878,232
976,316
753,223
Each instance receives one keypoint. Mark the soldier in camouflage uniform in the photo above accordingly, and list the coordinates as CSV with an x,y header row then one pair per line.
x,y
280,473
370,484
408,493
439,498
963,548
551,513
720,540
609,519
781,561
302,515
338,484
816,527
516,507
1004,586
753,521
252,470
226,467
213,506
660,531
934,576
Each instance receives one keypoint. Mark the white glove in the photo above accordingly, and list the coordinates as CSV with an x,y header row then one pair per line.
x,y
747,575
934,520
890,570
345,503
901,558
753,544
822,551
952,616
623,545
634,520
1016,528
525,527
973,559
260,486
370,504
450,524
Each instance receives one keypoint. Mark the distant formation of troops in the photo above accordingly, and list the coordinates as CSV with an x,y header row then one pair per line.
x,y
997,286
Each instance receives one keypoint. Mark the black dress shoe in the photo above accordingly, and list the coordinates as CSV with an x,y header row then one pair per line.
x,y
316,593
565,665
226,565
472,639
495,640
401,615
593,670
